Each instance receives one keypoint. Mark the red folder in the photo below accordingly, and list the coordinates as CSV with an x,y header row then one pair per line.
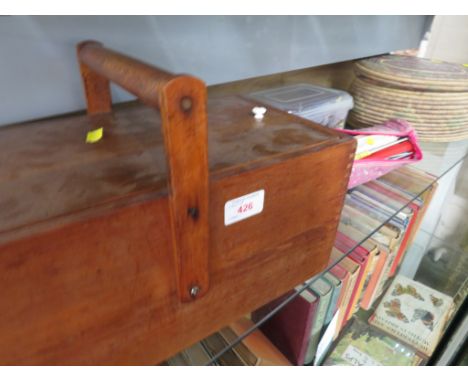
x,y
399,148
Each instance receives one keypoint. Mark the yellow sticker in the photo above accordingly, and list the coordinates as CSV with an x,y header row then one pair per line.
x,y
370,141
94,136
466,65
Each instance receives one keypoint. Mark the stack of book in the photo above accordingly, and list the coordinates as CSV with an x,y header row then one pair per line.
x,y
386,213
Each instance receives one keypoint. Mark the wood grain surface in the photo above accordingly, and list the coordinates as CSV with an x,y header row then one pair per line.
x,y
90,262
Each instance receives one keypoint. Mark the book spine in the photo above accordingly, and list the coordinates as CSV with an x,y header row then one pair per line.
x,y
374,260
357,291
402,248
352,284
370,292
317,325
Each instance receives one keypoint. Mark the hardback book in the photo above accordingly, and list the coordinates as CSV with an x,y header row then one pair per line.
x,y
322,288
419,187
258,348
336,284
410,179
413,313
377,259
361,257
377,277
353,269
290,329
201,353
412,211
376,268
214,344
368,248
377,213
254,350
384,204
386,234
363,345
417,184
342,274
382,282
247,357
426,197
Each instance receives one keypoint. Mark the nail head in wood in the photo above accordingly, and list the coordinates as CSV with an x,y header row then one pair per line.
x,y
194,291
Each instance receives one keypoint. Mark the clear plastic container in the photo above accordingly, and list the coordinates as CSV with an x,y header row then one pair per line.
x,y
328,107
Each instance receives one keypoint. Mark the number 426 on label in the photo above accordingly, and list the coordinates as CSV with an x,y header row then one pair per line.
x,y
243,207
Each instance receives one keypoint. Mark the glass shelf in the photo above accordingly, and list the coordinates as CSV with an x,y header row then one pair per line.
x,y
443,161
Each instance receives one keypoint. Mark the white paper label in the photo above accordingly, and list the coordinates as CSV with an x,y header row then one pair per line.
x,y
243,207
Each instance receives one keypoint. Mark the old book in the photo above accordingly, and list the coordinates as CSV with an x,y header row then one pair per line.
x,y
214,344
398,199
342,274
363,345
403,208
242,351
370,251
371,291
257,345
426,196
379,214
413,313
383,203
324,290
417,186
375,269
361,257
353,269
385,234
336,284
290,329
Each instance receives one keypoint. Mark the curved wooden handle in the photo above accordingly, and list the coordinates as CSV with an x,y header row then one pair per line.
x,y
182,103
99,64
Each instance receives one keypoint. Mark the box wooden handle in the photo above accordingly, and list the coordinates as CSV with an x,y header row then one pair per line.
x,y
181,100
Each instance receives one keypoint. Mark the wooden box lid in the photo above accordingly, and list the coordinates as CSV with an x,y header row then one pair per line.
x,y
48,170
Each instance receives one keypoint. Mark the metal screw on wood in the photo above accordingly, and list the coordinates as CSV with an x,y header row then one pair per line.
x,y
194,291
186,103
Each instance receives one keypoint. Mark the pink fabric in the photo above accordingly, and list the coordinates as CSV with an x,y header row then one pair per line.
x,y
365,170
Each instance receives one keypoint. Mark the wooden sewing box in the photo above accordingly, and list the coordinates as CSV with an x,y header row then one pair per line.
x,y
118,251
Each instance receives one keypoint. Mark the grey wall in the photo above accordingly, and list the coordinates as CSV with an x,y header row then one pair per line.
x,y
39,74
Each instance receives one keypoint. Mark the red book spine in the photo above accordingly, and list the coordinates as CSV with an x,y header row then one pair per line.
x,y
289,329
362,260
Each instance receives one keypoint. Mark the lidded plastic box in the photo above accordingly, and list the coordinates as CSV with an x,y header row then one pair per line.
x,y
328,107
